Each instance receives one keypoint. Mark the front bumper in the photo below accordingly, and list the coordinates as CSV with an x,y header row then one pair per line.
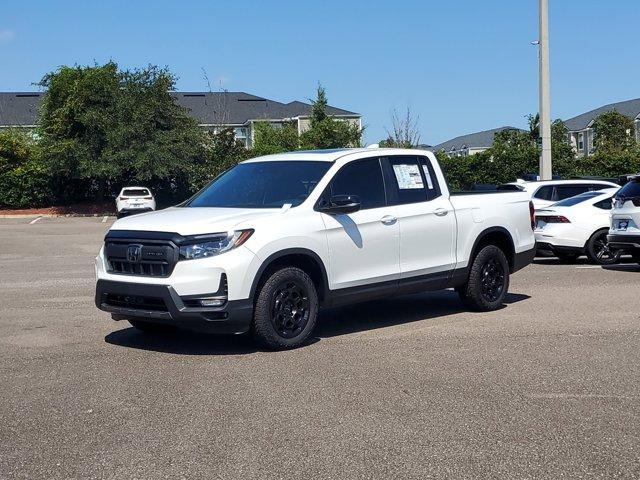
x,y
624,242
161,304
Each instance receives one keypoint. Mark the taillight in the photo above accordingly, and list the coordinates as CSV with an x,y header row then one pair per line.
x,y
532,215
555,219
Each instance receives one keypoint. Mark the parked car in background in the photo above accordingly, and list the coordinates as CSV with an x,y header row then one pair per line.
x,y
625,219
273,239
547,192
134,200
578,225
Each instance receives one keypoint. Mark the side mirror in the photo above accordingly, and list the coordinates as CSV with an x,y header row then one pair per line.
x,y
340,204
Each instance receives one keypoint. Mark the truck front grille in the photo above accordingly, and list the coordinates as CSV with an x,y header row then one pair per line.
x,y
140,256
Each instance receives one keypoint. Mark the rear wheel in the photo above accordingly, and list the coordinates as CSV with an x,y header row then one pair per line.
x,y
488,280
598,250
286,309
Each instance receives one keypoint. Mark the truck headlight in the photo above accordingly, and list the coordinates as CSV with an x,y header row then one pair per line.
x,y
202,246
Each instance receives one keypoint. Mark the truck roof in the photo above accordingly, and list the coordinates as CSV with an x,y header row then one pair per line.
x,y
331,155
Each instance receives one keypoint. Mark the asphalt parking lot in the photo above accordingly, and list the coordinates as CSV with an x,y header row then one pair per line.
x,y
412,387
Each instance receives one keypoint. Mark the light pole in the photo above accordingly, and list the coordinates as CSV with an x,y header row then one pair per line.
x,y
545,97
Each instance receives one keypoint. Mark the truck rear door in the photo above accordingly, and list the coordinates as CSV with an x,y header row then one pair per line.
x,y
425,216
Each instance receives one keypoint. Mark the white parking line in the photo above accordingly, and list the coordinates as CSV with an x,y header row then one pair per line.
x,y
34,220
589,266
104,219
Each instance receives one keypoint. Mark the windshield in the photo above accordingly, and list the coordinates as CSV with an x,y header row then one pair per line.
x,y
630,190
568,202
262,185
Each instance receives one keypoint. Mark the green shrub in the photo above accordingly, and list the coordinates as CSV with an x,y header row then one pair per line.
x,y
25,181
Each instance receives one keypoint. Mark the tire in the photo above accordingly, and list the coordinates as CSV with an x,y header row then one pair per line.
x,y
149,327
286,309
567,256
598,251
488,280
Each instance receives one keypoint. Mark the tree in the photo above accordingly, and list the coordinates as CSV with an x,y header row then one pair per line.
x,y
221,152
102,128
534,126
269,139
328,132
613,132
565,163
24,179
404,131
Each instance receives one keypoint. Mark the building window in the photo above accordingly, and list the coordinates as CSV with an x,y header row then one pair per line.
x,y
590,139
580,141
638,130
242,136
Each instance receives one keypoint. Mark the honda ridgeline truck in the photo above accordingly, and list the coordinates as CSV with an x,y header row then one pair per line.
x,y
273,239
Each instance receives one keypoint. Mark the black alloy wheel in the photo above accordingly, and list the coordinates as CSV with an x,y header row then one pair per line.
x,y
290,308
488,281
599,251
286,309
492,278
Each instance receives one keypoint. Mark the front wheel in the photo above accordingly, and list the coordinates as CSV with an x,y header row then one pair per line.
x,y
599,252
488,280
286,309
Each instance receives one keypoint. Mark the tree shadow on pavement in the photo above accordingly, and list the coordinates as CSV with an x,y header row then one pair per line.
x,y
332,322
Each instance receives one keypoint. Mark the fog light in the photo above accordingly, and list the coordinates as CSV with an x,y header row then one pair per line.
x,y
213,301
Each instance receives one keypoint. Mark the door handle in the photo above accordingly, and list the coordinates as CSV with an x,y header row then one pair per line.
x,y
441,212
388,220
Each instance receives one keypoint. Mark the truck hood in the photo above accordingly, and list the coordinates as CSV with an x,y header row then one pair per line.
x,y
192,220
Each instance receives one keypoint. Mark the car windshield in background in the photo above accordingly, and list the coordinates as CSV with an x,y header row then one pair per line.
x,y
630,190
262,185
569,202
136,192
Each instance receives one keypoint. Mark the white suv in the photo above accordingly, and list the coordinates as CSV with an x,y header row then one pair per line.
x,y
547,192
625,219
273,239
135,200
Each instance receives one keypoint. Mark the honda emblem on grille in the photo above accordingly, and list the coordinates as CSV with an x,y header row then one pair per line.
x,y
134,253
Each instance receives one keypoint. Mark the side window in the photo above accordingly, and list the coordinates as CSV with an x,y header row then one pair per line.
x,y
407,180
431,182
544,193
566,191
604,204
362,178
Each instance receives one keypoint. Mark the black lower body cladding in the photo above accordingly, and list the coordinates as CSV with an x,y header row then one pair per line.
x,y
161,304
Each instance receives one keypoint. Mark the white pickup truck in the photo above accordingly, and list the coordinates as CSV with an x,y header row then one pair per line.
x,y
271,240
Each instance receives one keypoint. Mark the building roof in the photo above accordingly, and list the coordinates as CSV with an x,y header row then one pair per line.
x,y
19,108
475,140
235,108
630,108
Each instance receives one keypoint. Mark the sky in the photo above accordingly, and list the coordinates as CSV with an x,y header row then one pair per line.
x,y
460,66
